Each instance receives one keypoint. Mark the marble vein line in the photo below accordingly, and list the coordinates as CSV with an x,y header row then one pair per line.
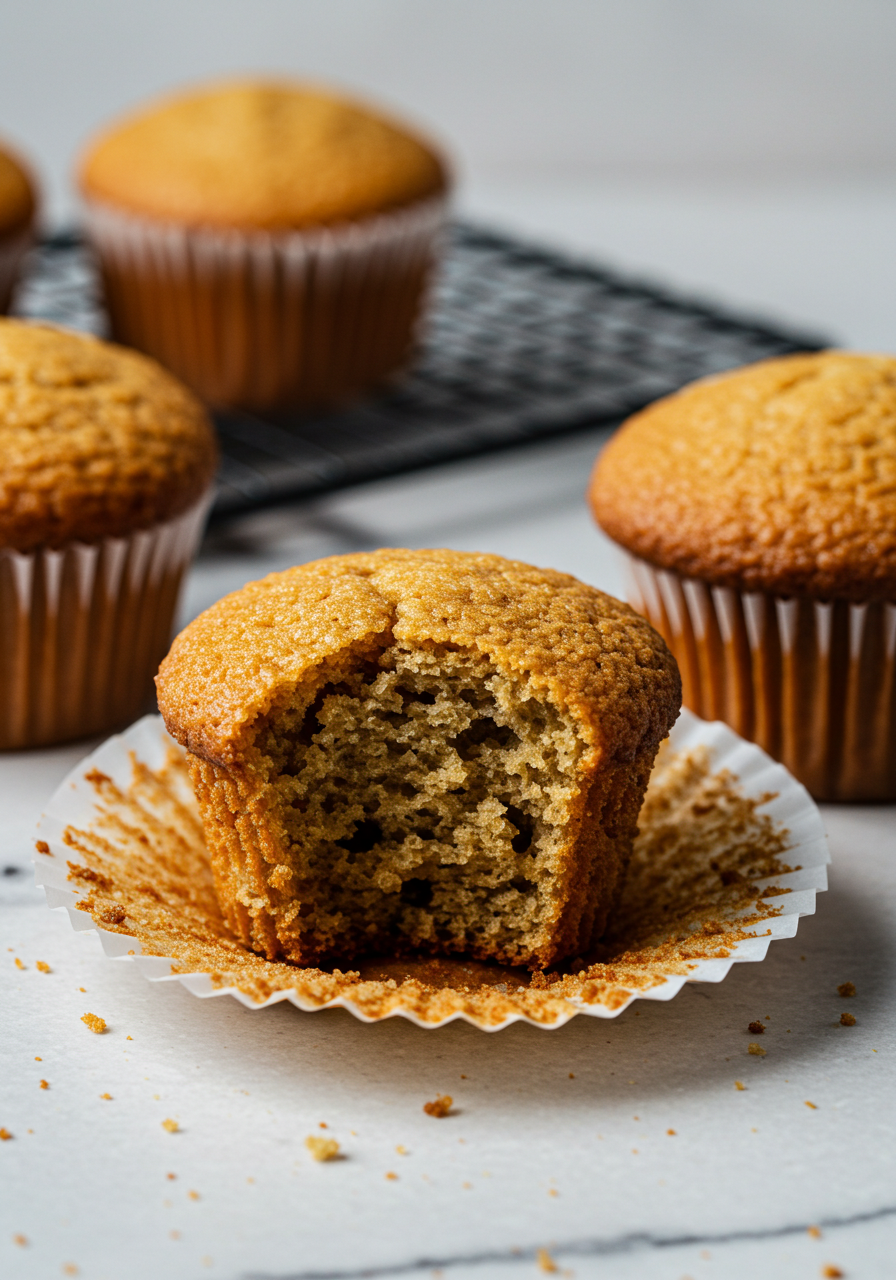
x,y
589,1248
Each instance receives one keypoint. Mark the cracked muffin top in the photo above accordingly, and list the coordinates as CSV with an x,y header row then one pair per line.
x,y
17,195
778,477
96,441
590,655
259,155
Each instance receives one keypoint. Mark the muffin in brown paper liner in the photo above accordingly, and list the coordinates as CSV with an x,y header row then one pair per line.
x,y
107,467
757,512
268,242
18,209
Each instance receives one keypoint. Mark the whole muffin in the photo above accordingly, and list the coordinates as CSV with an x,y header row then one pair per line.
x,y
18,206
104,481
269,242
419,750
759,512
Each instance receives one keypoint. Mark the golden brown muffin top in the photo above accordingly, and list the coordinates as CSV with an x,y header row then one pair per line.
x,y
259,155
592,656
17,195
95,441
778,477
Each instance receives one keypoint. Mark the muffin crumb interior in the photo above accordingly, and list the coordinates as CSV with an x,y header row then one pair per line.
x,y
422,799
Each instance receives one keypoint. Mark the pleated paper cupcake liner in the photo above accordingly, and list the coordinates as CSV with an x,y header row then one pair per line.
x,y
83,629
812,682
13,249
262,320
731,853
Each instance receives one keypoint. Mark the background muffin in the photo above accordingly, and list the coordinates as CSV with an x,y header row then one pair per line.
x,y
419,750
759,510
267,241
106,467
18,206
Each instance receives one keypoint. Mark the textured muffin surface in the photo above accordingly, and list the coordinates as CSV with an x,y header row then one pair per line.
x,y
779,477
17,198
96,441
427,750
259,155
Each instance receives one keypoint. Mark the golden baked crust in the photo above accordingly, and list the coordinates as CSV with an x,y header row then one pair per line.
x,y
253,649
779,477
17,195
258,154
431,749
96,441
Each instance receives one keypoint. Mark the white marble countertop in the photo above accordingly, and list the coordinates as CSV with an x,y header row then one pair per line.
x,y
559,1141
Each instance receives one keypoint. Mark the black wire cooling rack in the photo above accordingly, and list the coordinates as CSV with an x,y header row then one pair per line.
x,y
521,343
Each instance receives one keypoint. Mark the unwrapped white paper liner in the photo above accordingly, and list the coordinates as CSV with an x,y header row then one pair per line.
x,y
267,319
715,803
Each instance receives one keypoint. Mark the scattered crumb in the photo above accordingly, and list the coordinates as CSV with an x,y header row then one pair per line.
x,y
830,1272
19,964
171,1177
545,1261
156,1097
323,1124
463,1077
468,1186
440,1108
553,1191
193,1195
756,1028
812,1105
69,1269
847,1020
814,1232
322,1148
846,989
170,1125
45,1084
572,1075
671,1133
5,1135
634,1151
41,846
175,1235
84,989
250,1179
400,1150
129,1037
20,1240
756,1049
106,1097
97,1025
739,1084
754,1131
38,1059
43,967
391,1177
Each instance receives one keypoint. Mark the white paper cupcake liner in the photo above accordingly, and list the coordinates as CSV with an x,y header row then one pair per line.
x,y
812,682
13,249
724,926
268,319
83,629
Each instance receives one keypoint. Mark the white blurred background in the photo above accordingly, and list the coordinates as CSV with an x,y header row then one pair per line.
x,y
741,149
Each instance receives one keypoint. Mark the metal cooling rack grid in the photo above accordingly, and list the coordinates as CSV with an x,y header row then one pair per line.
x,y
521,343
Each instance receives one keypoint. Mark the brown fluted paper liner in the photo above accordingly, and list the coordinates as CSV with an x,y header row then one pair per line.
x,y
263,320
84,628
731,852
812,682
13,249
